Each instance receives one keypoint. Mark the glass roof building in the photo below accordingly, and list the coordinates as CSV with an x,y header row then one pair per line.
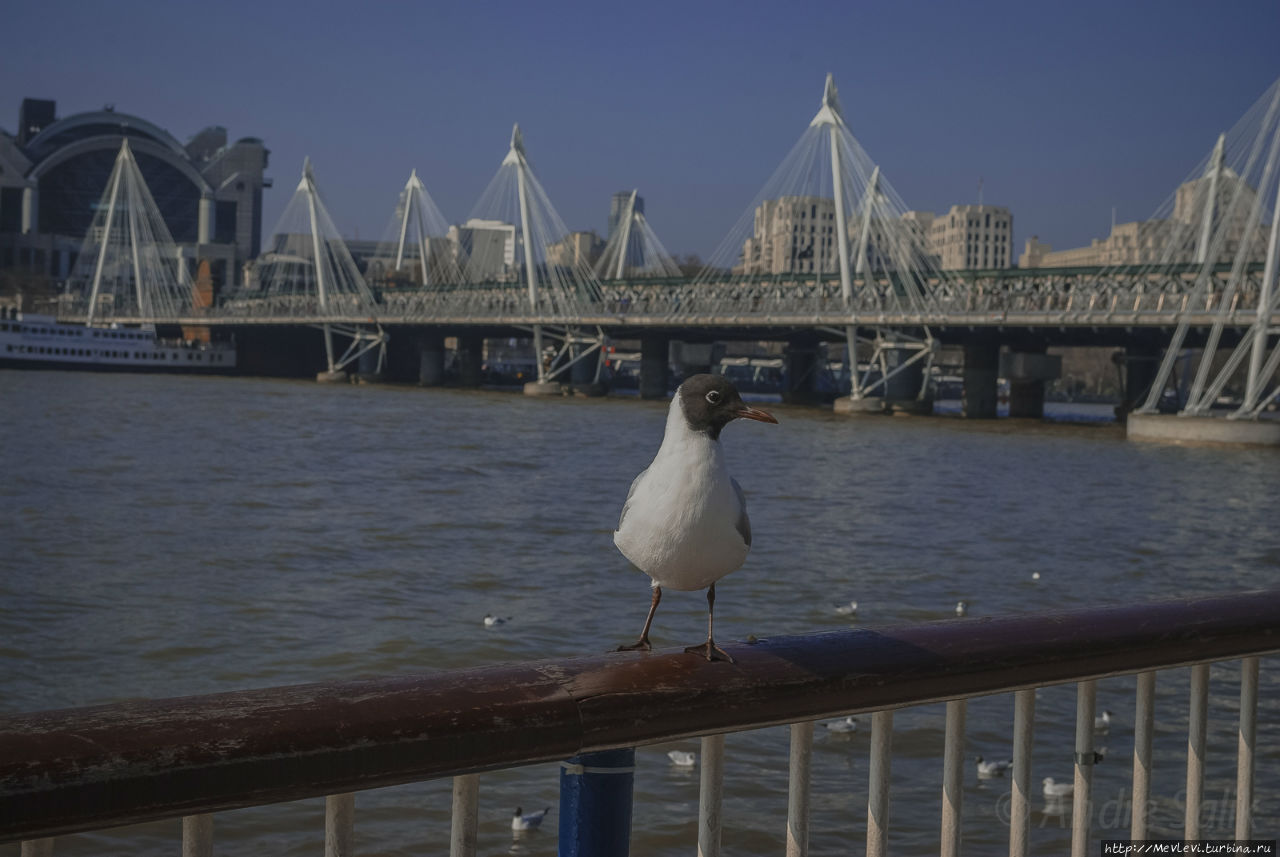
x,y
53,173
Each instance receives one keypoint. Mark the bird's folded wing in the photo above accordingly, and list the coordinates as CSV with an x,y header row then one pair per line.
x,y
631,493
744,523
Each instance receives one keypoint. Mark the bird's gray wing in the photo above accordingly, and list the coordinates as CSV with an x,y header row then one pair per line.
x,y
744,523
631,492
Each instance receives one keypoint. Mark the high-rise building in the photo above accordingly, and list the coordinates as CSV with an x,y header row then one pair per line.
x,y
486,249
792,235
972,236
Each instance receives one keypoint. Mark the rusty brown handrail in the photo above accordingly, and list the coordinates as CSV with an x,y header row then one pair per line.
x,y
89,768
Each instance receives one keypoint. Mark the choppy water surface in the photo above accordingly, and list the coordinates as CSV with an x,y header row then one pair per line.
x,y
165,536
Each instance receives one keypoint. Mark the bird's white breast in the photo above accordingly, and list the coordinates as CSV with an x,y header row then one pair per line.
x,y
681,523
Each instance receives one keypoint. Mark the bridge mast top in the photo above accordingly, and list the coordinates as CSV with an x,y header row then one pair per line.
x,y
829,113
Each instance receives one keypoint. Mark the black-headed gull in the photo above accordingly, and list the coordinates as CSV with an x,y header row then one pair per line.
x,y
850,609
994,768
1103,723
491,621
846,725
682,758
962,608
685,519
1057,790
520,821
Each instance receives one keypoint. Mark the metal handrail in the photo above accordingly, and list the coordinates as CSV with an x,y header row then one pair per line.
x,y
83,769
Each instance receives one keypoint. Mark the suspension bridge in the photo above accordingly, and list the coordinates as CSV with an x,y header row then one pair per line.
x,y
823,253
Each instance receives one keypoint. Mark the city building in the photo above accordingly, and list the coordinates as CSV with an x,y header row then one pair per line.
x,y
971,236
54,171
792,235
1161,240
576,250
486,249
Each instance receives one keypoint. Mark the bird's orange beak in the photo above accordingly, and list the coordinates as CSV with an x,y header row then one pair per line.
x,y
749,413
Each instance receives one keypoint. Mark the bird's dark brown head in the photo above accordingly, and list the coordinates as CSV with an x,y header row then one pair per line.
x,y
711,402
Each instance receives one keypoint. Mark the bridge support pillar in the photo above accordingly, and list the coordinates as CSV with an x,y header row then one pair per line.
x,y
595,804
981,371
430,358
801,359
470,359
1141,362
582,375
1028,368
654,354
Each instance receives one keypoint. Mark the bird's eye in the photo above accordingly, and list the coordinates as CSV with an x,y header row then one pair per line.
x,y
714,397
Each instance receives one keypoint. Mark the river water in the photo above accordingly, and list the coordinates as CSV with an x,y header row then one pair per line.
x,y
165,536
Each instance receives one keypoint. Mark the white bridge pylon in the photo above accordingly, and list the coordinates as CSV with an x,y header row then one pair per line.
x,y
515,238
1228,215
634,249
415,250
129,265
828,223
308,273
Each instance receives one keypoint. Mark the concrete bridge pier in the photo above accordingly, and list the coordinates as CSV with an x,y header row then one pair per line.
x,y
902,391
981,371
802,367
1027,368
1141,363
654,358
430,346
582,375
470,359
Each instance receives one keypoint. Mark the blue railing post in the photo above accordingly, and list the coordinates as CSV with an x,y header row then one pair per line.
x,y
595,804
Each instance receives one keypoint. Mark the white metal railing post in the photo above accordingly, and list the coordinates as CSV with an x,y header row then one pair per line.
x,y
1143,723
197,836
466,807
710,794
1197,721
1024,714
1244,760
340,825
798,789
1082,805
953,777
878,791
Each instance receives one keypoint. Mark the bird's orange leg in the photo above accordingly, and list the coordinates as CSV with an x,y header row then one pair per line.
x,y
643,645
709,649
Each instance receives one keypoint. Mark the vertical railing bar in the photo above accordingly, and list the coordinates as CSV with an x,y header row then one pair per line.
x,y
466,812
1197,722
1086,704
1143,724
798,789
1245,754
1024,715
197,836
340,825
710,794
38,847
953,777
878,792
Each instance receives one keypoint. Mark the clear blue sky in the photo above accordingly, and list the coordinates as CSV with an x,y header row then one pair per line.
x,y
1064,108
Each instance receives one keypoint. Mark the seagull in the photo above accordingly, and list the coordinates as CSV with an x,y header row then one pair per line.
x,y
685,519
682,758
994,768
1103,723
490,620
846,725
961,608
1057,790
850,609
1035,575
520,821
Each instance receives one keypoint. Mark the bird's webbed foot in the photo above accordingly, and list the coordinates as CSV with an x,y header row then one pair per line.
x,y
710,651
640,645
